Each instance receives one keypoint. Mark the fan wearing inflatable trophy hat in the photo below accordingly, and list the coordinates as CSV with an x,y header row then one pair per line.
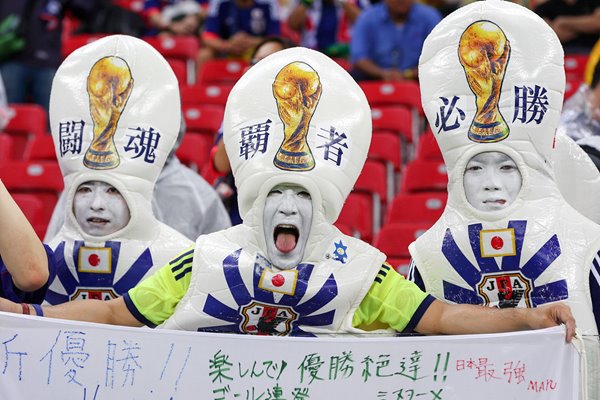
x,y
492,92
296,150
114,115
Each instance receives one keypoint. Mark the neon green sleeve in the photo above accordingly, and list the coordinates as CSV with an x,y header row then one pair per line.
x,y
154,299
391,302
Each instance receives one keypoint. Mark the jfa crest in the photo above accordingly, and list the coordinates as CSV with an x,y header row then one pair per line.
x,y
505,290
267,319
83,293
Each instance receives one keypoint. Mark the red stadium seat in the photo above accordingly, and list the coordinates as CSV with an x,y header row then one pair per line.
x,y
343,62
425,207
40,148
37,207
571,87
6,148
373,179
194,150
393,239
423,176
29,121
427,148
357,216
387,148
200,94
179,69
32,175
405,93
394,118
203,118
400,264
221,71
183,48
73,42
575,66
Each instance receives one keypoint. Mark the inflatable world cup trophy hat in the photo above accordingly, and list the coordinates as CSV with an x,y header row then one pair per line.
x,y
297,117
490,86
114,115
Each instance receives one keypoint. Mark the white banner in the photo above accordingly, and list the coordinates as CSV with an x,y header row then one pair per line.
x,y
42,358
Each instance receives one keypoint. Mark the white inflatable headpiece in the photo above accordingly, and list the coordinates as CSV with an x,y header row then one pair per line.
x,y
114,115
493,80
297,117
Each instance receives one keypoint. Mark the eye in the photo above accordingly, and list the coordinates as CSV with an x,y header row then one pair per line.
x,y
112,190
274,192
84,189
304,195
473,168
508,167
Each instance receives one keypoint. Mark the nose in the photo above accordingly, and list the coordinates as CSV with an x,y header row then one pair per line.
x,y
492,181
288,204
97,203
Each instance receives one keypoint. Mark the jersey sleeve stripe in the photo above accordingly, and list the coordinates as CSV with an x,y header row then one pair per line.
x,y
134,311
182,264
181,256
184,272
410,327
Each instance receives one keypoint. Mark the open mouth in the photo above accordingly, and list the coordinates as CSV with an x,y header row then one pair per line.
x,y
285,237
97,221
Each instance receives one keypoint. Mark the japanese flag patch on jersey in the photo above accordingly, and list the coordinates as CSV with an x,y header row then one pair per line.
x,y
497,242
279,281
96,260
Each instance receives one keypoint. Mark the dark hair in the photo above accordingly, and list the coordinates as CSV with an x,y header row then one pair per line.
x,y
284,42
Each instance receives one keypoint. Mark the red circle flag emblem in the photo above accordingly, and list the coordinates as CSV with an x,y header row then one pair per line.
x,y
497,242
278,280
94,260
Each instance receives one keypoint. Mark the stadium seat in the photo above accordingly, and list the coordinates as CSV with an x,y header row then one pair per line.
x,y
73,42
575,66
394,118
427,147
202,94
203,118
343,62
37,208
571,87
373,181
393,239
184,48
387,148
357,216
32,175
29,121
423,176
425,207
194,150
40,148
221,71
179,68
400,264
6,148
404,93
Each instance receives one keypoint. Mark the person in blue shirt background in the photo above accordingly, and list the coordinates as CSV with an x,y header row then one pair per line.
x,y
387,39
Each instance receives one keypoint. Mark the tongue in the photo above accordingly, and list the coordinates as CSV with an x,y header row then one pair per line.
x,y
285,242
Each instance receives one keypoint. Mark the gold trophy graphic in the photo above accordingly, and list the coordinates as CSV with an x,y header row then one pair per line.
x,y
297,89
109,85
483,52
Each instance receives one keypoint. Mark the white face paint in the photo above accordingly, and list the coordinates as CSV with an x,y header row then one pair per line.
x,y
491,181
287,218
99,208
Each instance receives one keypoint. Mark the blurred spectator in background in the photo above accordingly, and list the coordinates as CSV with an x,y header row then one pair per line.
x,y
110,18
325,25
233,28
183,17
576,22
387,39
580,117
182,199
28,72
225,185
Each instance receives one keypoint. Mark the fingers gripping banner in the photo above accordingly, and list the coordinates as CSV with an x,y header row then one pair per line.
x,y
55,359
